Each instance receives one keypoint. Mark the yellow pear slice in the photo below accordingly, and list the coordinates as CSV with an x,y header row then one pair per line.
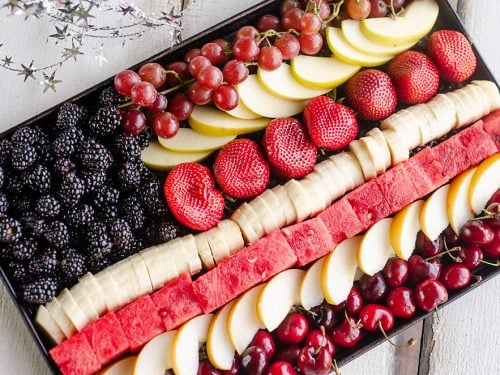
x,y
241,111
485,181
404,229
415,22
124,366
220,350
161,159
339,271
310,289
375,247
345,52
281,83
457,203
154,358
433,217
322,72
187,140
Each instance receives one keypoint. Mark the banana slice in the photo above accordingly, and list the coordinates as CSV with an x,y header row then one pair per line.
x,y
141,274
265,214
232,234
74,313
375,154
324,177
183,251
110,289
204,252
246,226
81,298
473,103
161,268
432,121
444,110
480,97
348,164
423,118
378,137
405,122
124,276
46,323
398,148
491,91
340,178
275,205
361,152
218,244
317,195
94,293
286,205
191,254
465,114
299,199
246,211
55,310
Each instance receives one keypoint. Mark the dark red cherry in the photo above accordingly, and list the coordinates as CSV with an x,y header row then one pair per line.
x,y
450,237
494,198
421,269
206,368
253,360
347,333
235,368
339,308
318,338
493,210
455,276
281,368
429,294
395,272
354,302
322,315
264,340
293,329
288,354
492,250
401,302
476,233
427,248
471,256
314,361
371,315
373,288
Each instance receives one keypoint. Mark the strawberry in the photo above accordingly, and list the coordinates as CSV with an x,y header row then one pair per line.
x,y
415,77
452,54
289,148
371,94
192,197
241,170
331,125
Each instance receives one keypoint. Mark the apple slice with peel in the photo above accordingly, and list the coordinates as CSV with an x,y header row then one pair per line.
x,y
187,140
404,229
124,366
485,181
158,158
281,83
311,293
433,217
457,203
339,271
242,112
413,24
278,296
375,247
242,320
220,350
154,358
186,344
322,72
260,101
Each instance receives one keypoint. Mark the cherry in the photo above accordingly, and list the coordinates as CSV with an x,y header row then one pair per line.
x,y
165,125
492,250
288,354
153,73
314,361
206,368
293,329
281,368
455,276
346,334
471,256
373,288
133,121
354,302
395,272
450,237
373,314
493,209
494,198
322,316
401,302
429,294
427,248
421,269
253,360
264,340
318,338
180,106
143,94
125,80
159,105
476,233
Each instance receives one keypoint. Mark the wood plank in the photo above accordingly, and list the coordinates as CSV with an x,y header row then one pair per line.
x,y
426,346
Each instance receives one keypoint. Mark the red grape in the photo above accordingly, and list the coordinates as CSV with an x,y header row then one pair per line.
x,y
396,3
268,22
289,46
270,58
198,94
160,104
153,73
214,52
323,8
310,23
191,54
143,94
210,77
181,68
247,32
378,8
197,63
291,19
225,44
246,49
133,121
358,9
125,80
165,125
288,4
310,44
225,97
180,106
235,71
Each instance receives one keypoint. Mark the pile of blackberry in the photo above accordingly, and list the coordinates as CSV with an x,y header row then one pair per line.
x,y
75,197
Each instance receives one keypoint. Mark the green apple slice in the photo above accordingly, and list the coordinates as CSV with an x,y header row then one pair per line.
x,y
484,183
215,123
160,159
322,72
351,29
415,22
187,140
258,100
347,53
281,83
241,111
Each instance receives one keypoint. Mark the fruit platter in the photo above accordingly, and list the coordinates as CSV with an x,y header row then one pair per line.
x,y
276,195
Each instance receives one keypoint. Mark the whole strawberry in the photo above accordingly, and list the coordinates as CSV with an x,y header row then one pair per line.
x,y
452,54
330,125
289,149
371,94
192,197
241,170
415,77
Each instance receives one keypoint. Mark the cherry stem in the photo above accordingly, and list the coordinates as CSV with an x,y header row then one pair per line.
x,y
173,72
490,263
357,325
448,251
486,215
335,367
478,279
335,11
409,343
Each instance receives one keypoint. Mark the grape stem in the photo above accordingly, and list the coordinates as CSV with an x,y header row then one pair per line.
x,y
335,11
270,33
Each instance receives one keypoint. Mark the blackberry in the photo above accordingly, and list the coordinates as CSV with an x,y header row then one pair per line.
x,y
57,234
10,230
19,272
105,121
2,176
39,179
14,184
93,180
132,211
80,216
67,143
64,166
106,196
20,204
109,96
45,264
108,214
23,156
67,252
127,147
77,237
152,198
25,135
71,190
34,226
121,234
44,148
40,291
96,264
5,149
25,249
166,231
73,267
4,204
94,156
47,206
70,115
129,176
143,139
99,241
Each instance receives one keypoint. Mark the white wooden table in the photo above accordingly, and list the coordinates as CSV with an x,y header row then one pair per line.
x,y
466,338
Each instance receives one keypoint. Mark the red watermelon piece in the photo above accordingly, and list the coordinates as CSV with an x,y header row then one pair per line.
x,y
341,220
368,203
397,189
425,171
140,322
309,240
246,268
106,338
451,154
491,125
176,302
74,356
477,142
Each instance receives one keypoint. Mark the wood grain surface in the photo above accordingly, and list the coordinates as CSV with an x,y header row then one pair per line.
x,y
466,337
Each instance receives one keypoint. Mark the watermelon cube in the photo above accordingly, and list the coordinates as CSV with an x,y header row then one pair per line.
x,y
140,322
106,338
176,302
451,155
397,189
246,268
477,142
341,221
74,356
309,240
491,125
368,203
425,171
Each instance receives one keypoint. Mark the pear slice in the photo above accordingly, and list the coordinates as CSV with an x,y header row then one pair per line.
x,y
353,34
242,112
339,271
158,158
220,351
433,218
485,181
310,289
375,247
345,52
184,350
457,203
124,366
278,296
154,358
281,83
187,140
404,229
416,21
322,72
